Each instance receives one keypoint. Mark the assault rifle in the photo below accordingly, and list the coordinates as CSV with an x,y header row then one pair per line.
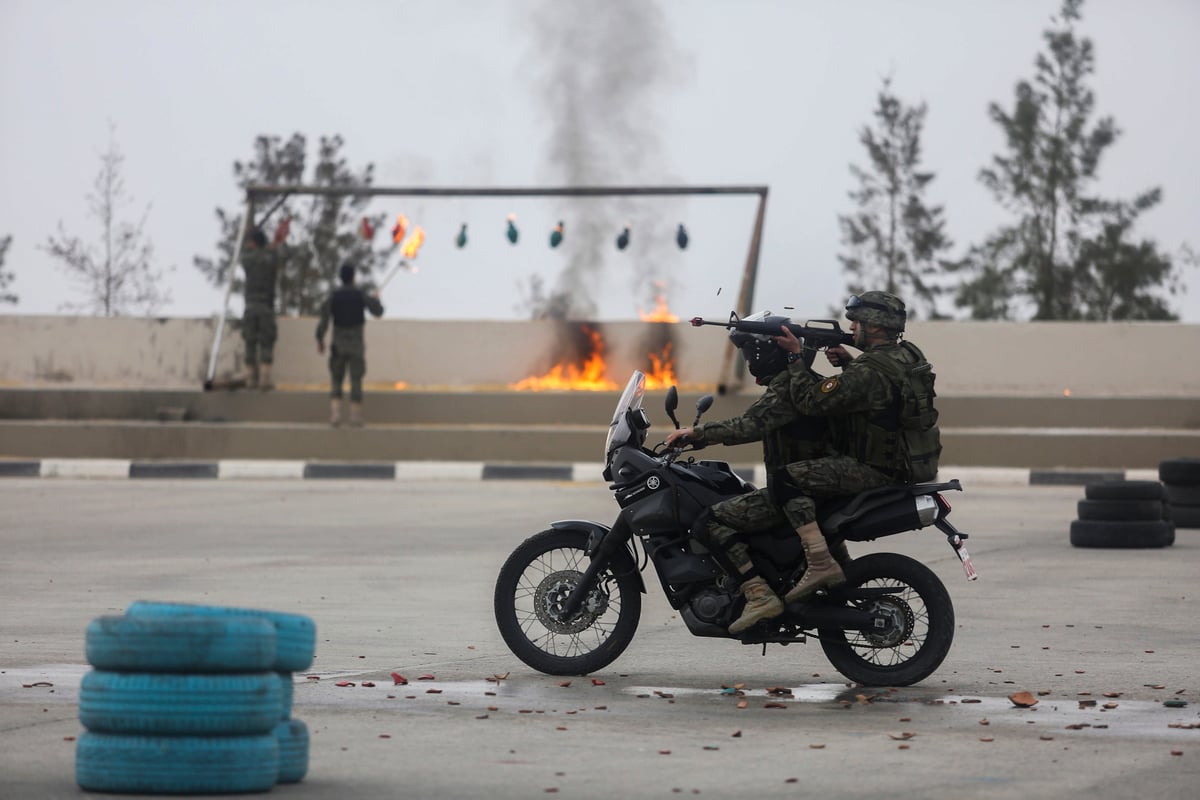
x,y
816,333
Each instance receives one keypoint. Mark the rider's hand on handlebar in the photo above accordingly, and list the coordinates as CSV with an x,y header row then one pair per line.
x,y
679,438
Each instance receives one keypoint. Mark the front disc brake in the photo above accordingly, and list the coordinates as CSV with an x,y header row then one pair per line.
x,y
551,595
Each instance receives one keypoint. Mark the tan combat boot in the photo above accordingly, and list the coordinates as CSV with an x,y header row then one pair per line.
x,y
335,412
264,378
839,552
761,603
822,569
356,417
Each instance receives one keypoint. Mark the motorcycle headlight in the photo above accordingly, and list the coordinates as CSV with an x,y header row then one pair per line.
x,y
639,419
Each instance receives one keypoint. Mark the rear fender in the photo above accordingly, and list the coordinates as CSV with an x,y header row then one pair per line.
x,y
623,558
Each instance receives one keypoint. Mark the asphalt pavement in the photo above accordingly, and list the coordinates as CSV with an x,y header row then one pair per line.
x,y
399,576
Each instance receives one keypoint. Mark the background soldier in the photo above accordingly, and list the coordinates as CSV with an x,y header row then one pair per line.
x,y
259,331
347,307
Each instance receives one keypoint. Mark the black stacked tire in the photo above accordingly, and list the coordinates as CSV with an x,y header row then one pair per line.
x,y
1181,477
191,703
1129,514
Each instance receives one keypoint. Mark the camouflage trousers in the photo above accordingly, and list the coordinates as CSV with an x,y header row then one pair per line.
x,y
821,478
339,362
754,511
805,482
258,333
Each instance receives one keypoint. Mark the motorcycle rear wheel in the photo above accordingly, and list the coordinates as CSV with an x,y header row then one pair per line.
x,y
532,585
919,640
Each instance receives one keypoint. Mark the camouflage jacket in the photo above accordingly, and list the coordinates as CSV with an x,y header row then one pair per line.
x,y
863,406
787,435
262,273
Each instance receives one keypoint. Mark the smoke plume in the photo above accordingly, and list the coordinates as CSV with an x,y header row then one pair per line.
x,y
602,71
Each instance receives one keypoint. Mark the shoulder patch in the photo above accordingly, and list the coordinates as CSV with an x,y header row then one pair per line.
x,y
829,385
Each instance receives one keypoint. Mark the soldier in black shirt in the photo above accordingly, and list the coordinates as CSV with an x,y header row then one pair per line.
x,y
346,306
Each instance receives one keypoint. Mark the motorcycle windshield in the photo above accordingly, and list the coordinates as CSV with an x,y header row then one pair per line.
x,y
619,431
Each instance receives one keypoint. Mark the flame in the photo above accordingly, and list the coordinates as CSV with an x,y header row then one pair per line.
x,y
409,249
661,374
587,377
399,229
592,374
661,312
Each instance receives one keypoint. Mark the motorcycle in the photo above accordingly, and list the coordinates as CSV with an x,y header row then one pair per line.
x,y
568,600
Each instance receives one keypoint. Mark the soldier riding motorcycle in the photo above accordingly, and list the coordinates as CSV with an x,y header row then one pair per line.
x,y
568,600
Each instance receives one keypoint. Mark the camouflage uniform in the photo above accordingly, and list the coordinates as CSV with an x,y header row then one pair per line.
x,y
864,405
345,306
258,320
787,437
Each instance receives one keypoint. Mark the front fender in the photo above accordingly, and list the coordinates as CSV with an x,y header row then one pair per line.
x,y
623,558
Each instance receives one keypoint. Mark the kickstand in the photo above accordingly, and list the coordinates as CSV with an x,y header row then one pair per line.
x,y
764,652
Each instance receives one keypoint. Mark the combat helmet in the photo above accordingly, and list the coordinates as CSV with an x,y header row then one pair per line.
x,y
764,357
877,308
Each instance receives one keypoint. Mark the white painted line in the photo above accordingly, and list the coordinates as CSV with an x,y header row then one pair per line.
x,y
253,468
1141,474
587,472
439,471
84,468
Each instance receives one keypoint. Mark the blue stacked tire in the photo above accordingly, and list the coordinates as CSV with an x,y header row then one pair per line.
x,y
190,699
292,735
113,762
1181,477
205,645
296,634
1123,514
180,705
296,642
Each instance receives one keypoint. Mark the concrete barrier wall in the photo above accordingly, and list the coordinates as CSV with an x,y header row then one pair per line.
x,y
970,358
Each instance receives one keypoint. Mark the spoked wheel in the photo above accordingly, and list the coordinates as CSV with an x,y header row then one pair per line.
x,y
919,628
533,585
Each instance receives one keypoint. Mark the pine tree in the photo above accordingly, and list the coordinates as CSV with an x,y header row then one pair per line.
x,y
325,229
893,241
1068,253
117,274
6,277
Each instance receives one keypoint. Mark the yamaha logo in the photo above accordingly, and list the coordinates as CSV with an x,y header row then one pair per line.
x,y
652,482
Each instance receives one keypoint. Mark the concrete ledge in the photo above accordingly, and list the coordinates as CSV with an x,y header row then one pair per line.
x,y
460,471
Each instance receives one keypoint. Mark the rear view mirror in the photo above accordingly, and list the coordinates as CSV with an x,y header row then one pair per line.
x,y
672,403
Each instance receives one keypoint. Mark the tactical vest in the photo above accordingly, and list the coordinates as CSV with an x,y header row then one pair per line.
x,y
348,306
910,434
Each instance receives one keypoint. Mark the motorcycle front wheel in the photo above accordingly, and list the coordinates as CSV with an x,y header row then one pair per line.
x,y
918,633
532,587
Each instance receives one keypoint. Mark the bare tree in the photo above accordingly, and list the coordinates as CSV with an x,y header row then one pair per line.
x,y
5,277
117,274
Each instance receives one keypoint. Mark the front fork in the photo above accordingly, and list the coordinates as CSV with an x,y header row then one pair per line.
x,y
605,547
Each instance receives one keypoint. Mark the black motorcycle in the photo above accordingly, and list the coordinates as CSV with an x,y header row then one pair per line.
x,y
568,599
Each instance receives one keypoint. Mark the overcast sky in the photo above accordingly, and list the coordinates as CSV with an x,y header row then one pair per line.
x,y
537,93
